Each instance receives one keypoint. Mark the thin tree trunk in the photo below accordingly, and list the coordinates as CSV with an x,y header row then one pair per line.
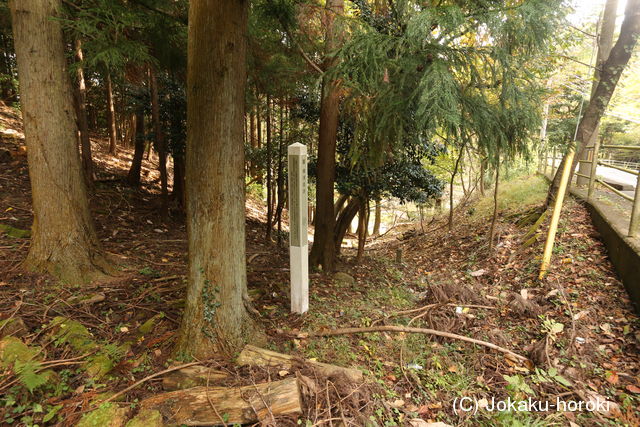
x,y
344,221
178,194
377,218
259,137
111,117
280,182
63,238
483,171
269,172
130,130
362,230
464,187
453,177
133,178
494,218
342,199
83,124
215,319
323,252
160,142
253,135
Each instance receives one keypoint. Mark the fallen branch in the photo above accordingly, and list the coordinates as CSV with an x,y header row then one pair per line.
x,y
406,329
426,307
145,379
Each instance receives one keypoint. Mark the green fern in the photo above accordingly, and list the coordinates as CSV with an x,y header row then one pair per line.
x,y
28,374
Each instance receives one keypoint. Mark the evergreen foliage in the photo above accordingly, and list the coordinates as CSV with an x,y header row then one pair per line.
x,y
459,71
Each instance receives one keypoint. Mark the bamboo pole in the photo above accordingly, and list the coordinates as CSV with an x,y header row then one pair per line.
x,y
594,167
557,208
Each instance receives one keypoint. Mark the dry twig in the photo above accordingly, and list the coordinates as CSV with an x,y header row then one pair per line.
x,y
406,329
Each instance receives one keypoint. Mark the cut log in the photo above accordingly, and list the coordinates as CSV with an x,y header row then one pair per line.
x,y
192,376
255,356
199,406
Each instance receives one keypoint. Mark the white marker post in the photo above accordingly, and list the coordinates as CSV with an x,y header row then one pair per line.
x,y
298,224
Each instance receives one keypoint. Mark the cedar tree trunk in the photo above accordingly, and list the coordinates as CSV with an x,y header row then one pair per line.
x,y
111,117
83,124
63,242
215,319
323,250
133,178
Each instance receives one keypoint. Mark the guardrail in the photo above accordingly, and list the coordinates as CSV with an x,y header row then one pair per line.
x,y
628,167
621,163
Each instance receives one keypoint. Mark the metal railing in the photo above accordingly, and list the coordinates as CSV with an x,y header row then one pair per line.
x,y
620,163
628,167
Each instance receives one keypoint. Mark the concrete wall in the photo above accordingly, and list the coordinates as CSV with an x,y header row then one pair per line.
x,y
624,252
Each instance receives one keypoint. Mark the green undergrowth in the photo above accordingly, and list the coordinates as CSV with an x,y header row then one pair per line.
x,y
514,194
418,372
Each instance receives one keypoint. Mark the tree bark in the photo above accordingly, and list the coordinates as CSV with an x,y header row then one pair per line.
x,y
178,193
64,242
269,172
483,171
83,124
362,230
494,218
377,218
160,142
323,250
255,356
215,319
453,177
233,405
611,71
605,42
280,179
133,178
344,221
111,117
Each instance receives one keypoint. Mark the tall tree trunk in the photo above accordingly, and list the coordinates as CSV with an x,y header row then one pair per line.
x,y
83,124
269,172
160,142
178,193
215,319
483,171
323,252
611,71
111,117
280,182
63,239
259,136
494,218
339,204
253,137
605,43
345,217
377,218
133,178
362,230
451,182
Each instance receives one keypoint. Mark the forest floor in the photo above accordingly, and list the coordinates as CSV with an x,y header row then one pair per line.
x,y
577,326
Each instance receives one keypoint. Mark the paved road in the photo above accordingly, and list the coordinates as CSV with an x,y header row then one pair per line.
x,y
618,205
614,176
